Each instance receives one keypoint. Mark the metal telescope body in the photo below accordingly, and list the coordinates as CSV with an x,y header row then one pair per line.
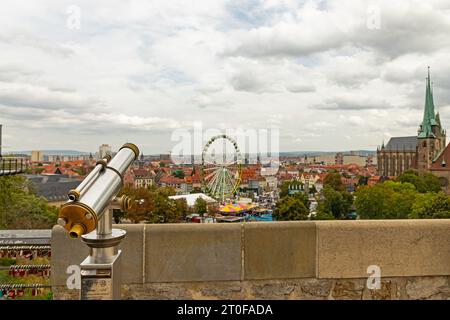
x,y
88,214
87,203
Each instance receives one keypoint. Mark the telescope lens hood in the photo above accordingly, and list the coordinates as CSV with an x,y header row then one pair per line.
x,y
133,147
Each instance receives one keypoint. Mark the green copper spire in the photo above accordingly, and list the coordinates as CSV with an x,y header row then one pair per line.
x,y
438,119
429,117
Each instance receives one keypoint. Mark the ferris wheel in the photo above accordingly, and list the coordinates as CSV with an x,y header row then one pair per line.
x,y
221,167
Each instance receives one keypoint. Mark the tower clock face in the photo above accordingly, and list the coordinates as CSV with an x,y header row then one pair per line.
x,y
443,181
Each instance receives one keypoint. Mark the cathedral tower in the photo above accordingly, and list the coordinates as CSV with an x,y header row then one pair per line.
x,y
431,136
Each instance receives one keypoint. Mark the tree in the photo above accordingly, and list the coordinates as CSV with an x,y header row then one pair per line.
x,y
20,208
431,206
431,182
201,206
291,208
371,202
142,204
424,181
118,215
334,181
165,210
336,203
153,205
212,209
321,215
387,200
182,209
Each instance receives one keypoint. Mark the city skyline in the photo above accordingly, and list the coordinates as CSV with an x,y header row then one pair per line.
x,y
336,76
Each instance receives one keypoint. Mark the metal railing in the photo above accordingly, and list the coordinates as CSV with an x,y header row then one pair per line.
x,y
9,166
19,247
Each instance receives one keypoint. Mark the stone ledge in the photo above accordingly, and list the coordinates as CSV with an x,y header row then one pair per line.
x,y
401,248
279,250
192,252
67,251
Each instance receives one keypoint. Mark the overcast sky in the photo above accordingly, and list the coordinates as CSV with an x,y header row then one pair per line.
x,y
330,74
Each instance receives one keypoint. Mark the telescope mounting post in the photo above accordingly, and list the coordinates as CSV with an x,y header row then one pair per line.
x,y
100,271
88,213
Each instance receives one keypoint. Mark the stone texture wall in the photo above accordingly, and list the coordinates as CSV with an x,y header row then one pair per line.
x,y
278,260
409,288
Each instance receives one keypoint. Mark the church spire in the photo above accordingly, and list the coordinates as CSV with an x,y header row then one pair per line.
x,y
429,117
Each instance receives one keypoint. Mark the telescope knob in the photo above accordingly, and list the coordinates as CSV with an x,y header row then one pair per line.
x,y
61,221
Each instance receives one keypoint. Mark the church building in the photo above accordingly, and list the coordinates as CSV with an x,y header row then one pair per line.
x,y
415,152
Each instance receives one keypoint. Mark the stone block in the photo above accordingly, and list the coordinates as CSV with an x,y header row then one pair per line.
x,y
279,250
67,251
193,252
345,249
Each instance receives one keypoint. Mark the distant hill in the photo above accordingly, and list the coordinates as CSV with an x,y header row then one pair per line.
x,y
54,152
320,153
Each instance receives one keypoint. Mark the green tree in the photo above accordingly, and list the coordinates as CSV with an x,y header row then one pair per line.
x,y
333,202
431,206
424,181
142,204
200,206
164,209
292,208
321,215
20,208
334,180
182,209
387,200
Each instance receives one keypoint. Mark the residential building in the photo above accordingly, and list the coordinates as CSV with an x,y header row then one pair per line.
x,y
37,156
103,150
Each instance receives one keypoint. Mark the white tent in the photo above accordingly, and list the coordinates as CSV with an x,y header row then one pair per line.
x,y
191,198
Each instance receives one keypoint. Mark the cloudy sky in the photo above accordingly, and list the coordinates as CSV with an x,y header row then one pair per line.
x,y
331,75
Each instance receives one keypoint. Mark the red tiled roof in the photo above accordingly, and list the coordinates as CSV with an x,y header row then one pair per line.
x,y
444,157
168,179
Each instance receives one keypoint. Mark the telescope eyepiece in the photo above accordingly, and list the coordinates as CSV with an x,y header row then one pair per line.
x,y
77,230
74,195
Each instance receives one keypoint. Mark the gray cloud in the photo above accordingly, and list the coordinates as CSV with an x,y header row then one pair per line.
x,y
298,88
44,98
248,81
34,42
353,103
404,28
137,71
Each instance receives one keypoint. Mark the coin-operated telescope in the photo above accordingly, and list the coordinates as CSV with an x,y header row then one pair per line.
x,y
88,214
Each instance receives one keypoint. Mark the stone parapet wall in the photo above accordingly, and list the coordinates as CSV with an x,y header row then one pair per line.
x,y
276,260
405,288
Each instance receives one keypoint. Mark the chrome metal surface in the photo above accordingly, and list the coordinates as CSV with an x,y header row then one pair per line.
x,y
108,183
90,177
94,240
104,225
88,202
